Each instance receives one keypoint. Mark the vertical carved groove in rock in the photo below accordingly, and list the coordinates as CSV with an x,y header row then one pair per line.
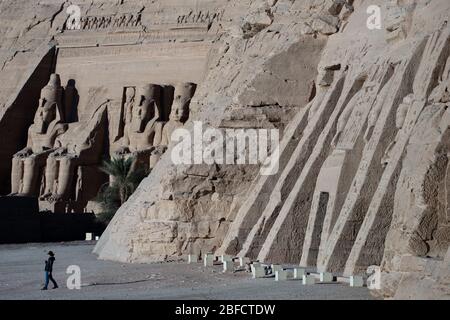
x,y
316,235
294,168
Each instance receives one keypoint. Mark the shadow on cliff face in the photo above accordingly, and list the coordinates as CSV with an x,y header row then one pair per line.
x,y
18,116
71,99
22,222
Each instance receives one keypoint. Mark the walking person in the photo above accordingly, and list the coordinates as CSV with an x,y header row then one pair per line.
x,y
48,271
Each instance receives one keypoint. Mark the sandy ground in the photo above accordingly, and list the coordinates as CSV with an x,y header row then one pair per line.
x,y
21,277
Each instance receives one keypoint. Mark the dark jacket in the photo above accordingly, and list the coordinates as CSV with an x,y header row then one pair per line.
x,y
49,264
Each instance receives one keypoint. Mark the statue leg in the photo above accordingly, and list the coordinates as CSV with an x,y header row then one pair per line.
x,y
51,171
65,177
30,177
16,175
154,159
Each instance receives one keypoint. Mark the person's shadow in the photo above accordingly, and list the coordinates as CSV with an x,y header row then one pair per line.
x,y
165,106
71,100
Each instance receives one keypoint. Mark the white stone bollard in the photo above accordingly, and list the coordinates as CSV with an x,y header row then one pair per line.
x,y
326,277
243,261
356,281
298,273
276,267
281,275
258,272
228,266
192,258
88,236
308,279
97,238
208,260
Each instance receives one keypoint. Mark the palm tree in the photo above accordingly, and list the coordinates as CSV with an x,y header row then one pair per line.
x,y
125,180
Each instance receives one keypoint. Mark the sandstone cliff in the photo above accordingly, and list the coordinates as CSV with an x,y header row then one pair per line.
x,y
362,112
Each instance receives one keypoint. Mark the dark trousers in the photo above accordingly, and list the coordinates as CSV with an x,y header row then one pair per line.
x,y
49,277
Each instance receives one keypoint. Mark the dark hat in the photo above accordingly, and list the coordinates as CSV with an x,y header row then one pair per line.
x,y
50,253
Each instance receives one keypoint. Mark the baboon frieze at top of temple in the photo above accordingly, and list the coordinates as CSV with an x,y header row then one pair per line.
x,y
357,92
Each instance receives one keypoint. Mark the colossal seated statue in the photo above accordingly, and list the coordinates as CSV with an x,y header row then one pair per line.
x,y
81,145
178,116
179,113
141,115
146,134
28,163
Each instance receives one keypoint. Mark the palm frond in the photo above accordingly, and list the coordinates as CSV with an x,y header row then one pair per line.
x,y
125,182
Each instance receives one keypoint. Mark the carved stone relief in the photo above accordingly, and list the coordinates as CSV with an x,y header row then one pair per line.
x,y
128,20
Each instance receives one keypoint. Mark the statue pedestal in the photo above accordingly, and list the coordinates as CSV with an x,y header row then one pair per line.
x,y
55,206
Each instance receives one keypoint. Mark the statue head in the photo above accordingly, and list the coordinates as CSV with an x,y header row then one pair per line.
x,y
48,110
52,91
145,106
129,94
183,96
45,114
